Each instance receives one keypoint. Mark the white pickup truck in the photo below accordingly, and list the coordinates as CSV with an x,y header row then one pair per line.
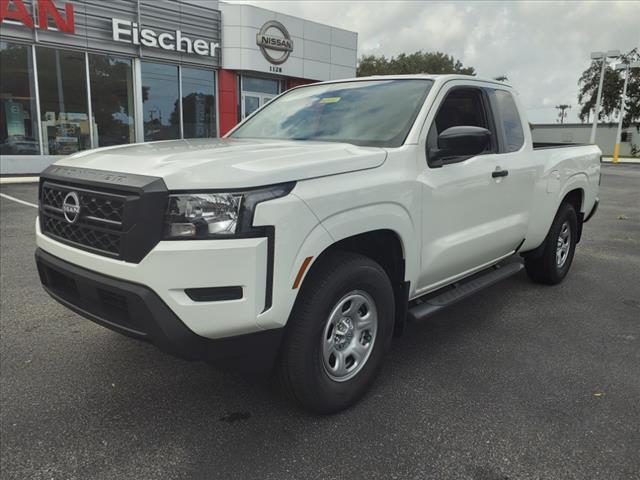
x,y
308,236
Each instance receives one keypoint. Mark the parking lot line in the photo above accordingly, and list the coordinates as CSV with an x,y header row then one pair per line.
x,y
9,197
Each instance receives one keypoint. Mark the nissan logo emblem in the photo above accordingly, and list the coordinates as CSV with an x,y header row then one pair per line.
x,y
71,207
270,43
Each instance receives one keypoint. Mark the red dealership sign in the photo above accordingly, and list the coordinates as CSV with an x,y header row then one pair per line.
x,y
46,10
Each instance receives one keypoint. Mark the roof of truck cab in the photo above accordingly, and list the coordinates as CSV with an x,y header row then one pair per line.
x,y
418,76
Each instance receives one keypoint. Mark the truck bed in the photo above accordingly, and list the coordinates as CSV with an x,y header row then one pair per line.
x,y
543,145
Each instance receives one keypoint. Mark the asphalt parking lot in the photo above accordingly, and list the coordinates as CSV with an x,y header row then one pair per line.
x,y
520,382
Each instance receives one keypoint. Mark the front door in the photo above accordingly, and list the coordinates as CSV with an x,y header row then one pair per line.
x,y
468,217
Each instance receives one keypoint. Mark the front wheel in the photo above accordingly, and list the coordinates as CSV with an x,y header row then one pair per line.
x,y
338,334
559,247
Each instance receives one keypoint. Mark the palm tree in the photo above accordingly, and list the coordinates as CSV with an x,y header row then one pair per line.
x,y
562,114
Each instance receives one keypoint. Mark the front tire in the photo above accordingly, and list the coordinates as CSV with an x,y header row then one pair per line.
x,y
338,333
559,248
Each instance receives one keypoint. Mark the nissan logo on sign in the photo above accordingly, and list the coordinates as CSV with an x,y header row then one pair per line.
x,y
275,42
71,207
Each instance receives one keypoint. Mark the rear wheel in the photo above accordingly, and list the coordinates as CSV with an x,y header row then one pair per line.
x,y
559,247
338,334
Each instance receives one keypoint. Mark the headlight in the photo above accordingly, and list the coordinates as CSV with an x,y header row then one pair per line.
x,y
216,215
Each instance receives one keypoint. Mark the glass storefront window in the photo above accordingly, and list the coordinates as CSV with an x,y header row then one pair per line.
x,y
198,103
262,85
18,114
64,111
63,101
112,97
161,109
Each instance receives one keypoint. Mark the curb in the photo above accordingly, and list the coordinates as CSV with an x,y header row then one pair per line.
x,y
625,160
11,180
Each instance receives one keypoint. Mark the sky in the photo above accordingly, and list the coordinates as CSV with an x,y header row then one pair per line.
x,y
542,47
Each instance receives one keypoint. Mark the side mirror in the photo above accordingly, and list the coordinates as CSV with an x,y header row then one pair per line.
x,y
458,142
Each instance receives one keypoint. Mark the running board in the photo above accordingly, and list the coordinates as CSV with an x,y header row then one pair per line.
x,y
461,290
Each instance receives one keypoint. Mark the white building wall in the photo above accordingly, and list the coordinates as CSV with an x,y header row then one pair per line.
x,y
580,133
320,52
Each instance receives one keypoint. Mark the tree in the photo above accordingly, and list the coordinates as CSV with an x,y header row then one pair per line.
x,y
418,62
562,114
501,78
611,91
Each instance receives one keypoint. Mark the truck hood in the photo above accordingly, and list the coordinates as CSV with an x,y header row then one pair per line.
x,y
229,163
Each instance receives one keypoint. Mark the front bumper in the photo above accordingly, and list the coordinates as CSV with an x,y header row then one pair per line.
x,y
137,311
175,266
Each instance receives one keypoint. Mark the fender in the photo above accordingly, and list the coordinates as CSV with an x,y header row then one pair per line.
x,y
574,182
348,223
317,240
548,206
363,219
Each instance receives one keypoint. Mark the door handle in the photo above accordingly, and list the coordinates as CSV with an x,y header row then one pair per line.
x,y
499,173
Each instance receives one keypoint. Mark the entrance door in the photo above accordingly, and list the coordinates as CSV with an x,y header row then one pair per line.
x,y
256,92
252,101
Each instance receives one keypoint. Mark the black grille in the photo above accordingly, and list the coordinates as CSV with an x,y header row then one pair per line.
x,y
121,215
114,305
100,223
107,304
102,208
52,198
107,242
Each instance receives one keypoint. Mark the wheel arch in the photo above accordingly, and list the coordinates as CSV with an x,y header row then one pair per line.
x,y
384,246
575,197
574,191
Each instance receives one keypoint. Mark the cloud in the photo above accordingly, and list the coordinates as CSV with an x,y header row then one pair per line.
x,y
542,47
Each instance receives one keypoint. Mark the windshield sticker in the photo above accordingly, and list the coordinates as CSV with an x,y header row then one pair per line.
x,y
330,100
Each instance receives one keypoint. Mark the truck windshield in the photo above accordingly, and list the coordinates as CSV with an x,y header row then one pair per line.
x,y
375,113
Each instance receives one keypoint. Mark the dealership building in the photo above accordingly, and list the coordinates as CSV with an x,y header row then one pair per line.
x,y
83,74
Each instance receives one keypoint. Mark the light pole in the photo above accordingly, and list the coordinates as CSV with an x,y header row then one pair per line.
x,y
598,56
623,101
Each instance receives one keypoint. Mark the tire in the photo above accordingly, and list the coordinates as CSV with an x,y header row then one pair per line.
x,y
553,265
318,328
